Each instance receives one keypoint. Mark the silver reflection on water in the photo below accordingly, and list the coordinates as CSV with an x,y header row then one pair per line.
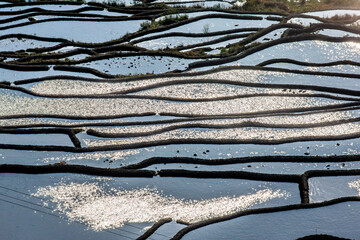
x,y
97,156
242,134
102,208
355,184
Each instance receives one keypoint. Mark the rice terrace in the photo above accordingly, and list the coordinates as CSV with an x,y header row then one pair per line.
x,y
173,119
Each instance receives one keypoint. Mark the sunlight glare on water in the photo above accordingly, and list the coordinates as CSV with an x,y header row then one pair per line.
x,y
101,209
355,184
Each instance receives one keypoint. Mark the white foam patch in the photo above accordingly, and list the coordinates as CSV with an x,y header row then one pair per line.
x,y
102,209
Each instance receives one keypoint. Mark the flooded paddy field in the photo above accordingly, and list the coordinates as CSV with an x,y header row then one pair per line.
x,y
178,120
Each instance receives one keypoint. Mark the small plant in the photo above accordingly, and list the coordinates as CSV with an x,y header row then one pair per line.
x,y
224,51
206,28
164,6
145,25
347,18
173,19
115,3
163,21
61,163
